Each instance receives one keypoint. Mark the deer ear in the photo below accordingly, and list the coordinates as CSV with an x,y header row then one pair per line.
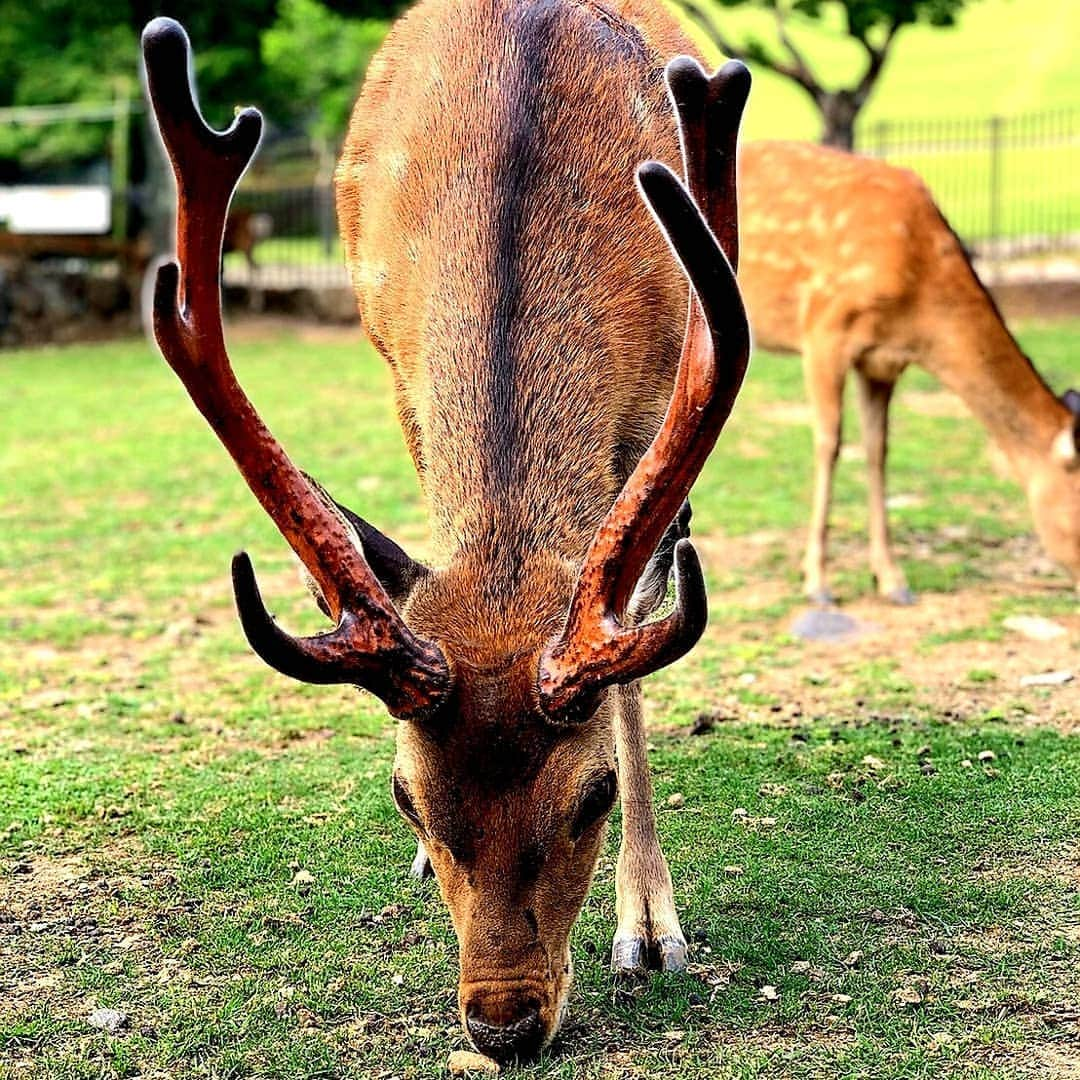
x,y
396,570
1066,446
1071,400
652,586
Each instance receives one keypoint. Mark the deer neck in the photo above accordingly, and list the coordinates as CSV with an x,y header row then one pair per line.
x,y
980,361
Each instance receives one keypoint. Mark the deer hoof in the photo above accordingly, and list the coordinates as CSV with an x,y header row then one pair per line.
x,y
671,954
902,597
634,957
630,957
821,598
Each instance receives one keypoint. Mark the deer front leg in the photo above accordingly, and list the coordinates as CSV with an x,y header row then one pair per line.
x,y
825,388
648,935
874,397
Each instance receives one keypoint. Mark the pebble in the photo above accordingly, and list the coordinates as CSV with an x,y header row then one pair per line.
x,y
110,1020
1047,678
1034,627
465,1061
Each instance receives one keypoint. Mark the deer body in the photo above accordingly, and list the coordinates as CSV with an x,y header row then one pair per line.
x,y
849,262
512,277
528,381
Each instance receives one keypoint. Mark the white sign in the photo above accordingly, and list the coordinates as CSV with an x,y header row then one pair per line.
x,y
83,210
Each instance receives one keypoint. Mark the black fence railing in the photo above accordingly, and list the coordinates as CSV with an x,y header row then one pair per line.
x,y
1010,186
284,238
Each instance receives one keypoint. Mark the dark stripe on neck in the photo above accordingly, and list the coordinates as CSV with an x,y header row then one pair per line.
x,y
533,28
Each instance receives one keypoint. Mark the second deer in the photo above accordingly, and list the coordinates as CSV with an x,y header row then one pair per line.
x,y
849,261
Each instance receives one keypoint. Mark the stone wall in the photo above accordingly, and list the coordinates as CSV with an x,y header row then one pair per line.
x,y
42,302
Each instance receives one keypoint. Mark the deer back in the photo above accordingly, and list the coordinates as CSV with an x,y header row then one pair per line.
x,y
504,264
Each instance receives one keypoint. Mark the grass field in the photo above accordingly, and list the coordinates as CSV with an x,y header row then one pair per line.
x,y
1004,57
906,874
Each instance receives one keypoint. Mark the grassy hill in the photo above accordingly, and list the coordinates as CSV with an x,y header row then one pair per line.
x,y
1004,57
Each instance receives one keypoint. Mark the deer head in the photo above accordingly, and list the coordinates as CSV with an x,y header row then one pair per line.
x,y
1053,488
502,682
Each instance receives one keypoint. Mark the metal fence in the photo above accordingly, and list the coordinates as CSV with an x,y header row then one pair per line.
x,y
1010,186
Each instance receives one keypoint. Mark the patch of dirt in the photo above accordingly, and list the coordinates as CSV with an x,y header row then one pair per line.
x,y
909,650
69,906
257,328
790,413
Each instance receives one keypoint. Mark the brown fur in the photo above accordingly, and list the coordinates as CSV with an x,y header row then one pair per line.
x,y
509,273
848,261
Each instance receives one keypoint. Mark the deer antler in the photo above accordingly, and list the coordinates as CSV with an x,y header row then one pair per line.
x,y
371,646
595,649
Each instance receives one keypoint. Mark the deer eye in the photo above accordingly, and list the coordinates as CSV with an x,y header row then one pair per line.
x,y
403,801
596,803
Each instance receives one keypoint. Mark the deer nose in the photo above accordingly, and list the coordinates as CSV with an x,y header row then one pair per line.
x,y
519,1038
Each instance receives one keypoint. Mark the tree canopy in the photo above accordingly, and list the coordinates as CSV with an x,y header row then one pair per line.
x,y
874,24
299,60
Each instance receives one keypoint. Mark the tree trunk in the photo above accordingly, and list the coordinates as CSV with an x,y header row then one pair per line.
x,y
839,110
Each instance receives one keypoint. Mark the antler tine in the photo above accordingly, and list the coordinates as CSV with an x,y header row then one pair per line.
x,y
595,650
371,646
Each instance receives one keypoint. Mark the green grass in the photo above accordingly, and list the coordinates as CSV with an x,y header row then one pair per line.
x,y
159,788
1006,58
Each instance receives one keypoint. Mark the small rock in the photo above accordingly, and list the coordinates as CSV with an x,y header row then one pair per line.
x,y
852,959
734,871
110,1020
397,980
302,880
770,993
966,764
874,764
739,812
987,755
747,678
676,799
841,999
703,724
1034,627
800,967
465,1061
773,790
1047,678
829,625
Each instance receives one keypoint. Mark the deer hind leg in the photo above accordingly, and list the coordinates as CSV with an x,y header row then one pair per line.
x,y
648,935
825,389
874,397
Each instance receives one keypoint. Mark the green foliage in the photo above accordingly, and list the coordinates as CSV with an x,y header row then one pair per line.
x,y
863,16
299,60
57,52
316,57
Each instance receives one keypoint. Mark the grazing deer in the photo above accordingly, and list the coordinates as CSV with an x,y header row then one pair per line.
x,y
514,281
849,261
